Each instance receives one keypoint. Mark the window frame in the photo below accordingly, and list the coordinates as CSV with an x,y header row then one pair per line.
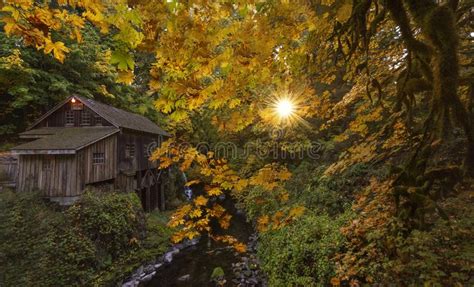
x,y
98,158
47,163
69,116
97,120
85,114
130,151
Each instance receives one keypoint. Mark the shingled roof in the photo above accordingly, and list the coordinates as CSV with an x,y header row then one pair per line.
x,y
117,117
123,119
41,132
65,140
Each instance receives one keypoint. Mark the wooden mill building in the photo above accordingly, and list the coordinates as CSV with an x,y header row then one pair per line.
x,y
81,143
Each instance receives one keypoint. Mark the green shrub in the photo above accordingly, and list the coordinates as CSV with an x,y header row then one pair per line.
x,y
113,220
97,241
300,254
37,247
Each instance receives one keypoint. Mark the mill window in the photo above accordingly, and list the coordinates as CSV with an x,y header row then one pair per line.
x,y
97,120
47,163
146,151
98,158
69,118
129,150
85,118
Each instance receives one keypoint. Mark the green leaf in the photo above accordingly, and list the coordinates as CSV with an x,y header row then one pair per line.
x,y
123,60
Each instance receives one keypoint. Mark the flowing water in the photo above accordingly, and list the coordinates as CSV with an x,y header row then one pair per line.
x,y
193,266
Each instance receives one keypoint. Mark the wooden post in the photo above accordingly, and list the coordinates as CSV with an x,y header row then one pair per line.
x,y
156,196
162,194
148,198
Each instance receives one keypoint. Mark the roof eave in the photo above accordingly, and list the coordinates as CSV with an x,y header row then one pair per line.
x,y
99,139
42,151
55,108
110,120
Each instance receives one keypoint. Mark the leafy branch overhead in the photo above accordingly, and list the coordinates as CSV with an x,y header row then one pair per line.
x,y
382,100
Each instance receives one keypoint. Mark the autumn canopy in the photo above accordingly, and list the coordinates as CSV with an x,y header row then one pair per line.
x,y
387,85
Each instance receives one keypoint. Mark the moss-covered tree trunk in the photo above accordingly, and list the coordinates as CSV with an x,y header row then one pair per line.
x,y
438,27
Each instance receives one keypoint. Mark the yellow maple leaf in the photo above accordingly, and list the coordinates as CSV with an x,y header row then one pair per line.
x,y
200,201
284,197
58,48
195,213
192,234
216,211
14,12
240,247
125,77
214,191
192,182
262,223
224,221
10,26
344,12
297,211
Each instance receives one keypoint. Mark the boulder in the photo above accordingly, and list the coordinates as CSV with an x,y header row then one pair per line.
x,y
184,278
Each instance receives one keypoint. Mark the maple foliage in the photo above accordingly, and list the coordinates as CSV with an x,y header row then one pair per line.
x,y
218,177
386,84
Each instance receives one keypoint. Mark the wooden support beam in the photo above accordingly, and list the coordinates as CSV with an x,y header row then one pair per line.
x,y
148,199
162,195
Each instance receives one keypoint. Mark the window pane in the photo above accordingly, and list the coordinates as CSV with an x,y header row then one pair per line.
x,y
129,150
47,163
69,118
85,118
97,120
98,158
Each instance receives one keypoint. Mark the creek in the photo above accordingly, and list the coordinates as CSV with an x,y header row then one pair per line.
x,y
194,265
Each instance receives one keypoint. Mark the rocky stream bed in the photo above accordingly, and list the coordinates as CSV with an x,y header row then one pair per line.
x,y
200,262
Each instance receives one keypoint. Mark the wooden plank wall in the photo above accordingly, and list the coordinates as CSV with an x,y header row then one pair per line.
x,y
140,160
127,183
58,118
152,194
55,180
8,168
98,172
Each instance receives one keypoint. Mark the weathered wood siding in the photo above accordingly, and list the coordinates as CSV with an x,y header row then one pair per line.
x,y
8,168
53,175
58,118
90,172
141,142
126,182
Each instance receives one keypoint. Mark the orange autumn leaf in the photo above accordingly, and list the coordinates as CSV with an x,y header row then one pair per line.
x,y
192,182
262,223
224,221
297,211
214,191
240,247
200,201
335,281
195,213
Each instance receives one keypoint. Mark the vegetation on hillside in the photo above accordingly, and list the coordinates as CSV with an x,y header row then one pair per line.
x,y
31,84
382,113
98,241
